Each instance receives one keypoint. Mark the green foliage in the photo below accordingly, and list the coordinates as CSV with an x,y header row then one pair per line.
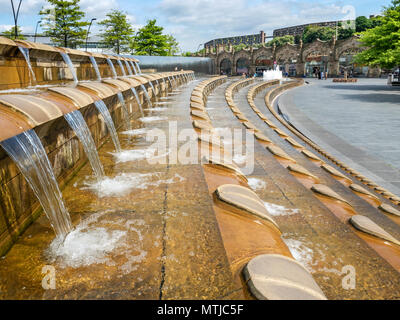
x,y
239,47
345,33
117,31
64,25
297,39
312,33
280,41
363,23
150,40
172,45
187,54
11,33
383,41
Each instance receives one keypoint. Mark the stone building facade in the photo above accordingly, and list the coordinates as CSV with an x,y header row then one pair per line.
x,y
298,30
249,40
298,60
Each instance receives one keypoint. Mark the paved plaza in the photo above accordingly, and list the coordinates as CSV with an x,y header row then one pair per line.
x,y
359,123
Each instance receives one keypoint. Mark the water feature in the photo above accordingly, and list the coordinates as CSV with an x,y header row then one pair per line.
x,y
146,94
272,74
122,68
96,67
170,82
154,90
25,53
133,67
102,108
78,124
114,73
71,67
137,67
138,100
128,67
121,99
28,153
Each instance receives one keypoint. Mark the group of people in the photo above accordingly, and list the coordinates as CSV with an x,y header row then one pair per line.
x,y
318,73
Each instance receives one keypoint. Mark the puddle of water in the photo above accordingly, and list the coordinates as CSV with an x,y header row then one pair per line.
x,y
300,252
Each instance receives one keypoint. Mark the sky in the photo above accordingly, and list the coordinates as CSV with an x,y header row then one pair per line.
x,y
194,22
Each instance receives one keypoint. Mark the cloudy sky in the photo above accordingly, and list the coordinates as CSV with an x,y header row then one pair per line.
x,y
197,21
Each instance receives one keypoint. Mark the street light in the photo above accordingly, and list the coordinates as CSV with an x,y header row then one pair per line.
x,y
87,35
16,14
37,25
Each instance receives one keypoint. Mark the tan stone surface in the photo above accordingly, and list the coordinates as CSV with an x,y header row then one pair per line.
x,y
328,192
275,150
389,209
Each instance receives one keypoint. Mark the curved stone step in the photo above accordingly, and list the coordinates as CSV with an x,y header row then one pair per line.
x,y
203,125
200,114
294,143
310,155
281,133
276,277
250,126
245,199
227,166
262,137
333,171
389,209
366,225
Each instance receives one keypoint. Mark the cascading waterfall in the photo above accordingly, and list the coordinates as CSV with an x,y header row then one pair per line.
x,y
138,100
154,90
137,67
25,53
114,73
170,81
128,67
133,67
122,68
78,124
96,67
126,112
71,67
102,108
146,95
27,151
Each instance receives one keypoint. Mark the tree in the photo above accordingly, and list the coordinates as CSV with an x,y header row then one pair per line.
x,y
172,45
11,33
383,41
280,41
312,33
117,32
63,23
363,23
150,40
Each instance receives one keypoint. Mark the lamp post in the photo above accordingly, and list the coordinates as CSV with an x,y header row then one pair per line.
x,y
16,14
37,25
87,35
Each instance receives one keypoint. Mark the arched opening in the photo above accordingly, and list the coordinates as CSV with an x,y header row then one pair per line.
x,y
316,63
226,67
346,64
263,63
242,66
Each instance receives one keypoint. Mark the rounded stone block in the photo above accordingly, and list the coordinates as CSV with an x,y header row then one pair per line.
x,y
281,133
231,167
333,171
389,209
299,169
275,150
276,277
203,125
310,155
294,143
328,192
80,98
366,225
250,126
198,106
120,85
357,188
270,124
200,114
245,199
262,137
100,89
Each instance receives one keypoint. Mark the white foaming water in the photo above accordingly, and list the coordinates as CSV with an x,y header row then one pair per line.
x,y
277,210
94,242
240,159
136,132
272,75
300,252
156,109
124,183
256,184
152,119
132,155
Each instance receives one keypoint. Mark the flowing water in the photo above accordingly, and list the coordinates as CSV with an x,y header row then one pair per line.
x,y
122,68
78,124
133,67
25,53
154,90
137,67
96,67
146,95
128,67
102,108
71,67
121,99
28,153
138,100
114,73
